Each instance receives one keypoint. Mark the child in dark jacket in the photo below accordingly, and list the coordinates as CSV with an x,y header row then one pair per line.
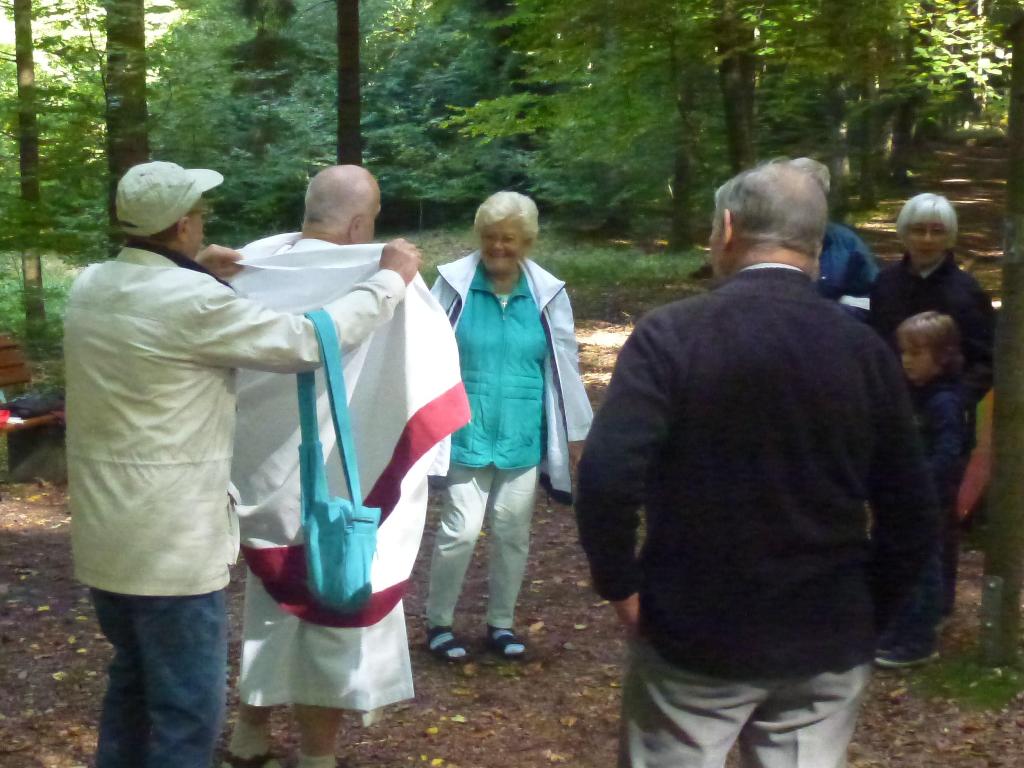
x,y
929,344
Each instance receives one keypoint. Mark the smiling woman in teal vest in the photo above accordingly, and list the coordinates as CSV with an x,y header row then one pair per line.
x,y
530,414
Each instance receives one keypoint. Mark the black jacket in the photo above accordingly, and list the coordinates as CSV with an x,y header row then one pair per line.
x,y
754,423
899,294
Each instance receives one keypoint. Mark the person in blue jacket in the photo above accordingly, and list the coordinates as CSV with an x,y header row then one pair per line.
x,y
530,413
929,345
847,268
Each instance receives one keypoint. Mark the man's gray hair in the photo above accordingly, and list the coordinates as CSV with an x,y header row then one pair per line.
x,y
818,170
775,205
508,206
927,208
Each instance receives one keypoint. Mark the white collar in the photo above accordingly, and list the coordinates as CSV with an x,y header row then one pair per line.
x,y
292,251
459,275
312,244
928,272
771,265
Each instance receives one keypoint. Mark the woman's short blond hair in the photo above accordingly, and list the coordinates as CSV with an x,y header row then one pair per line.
x,y
925,209
508,206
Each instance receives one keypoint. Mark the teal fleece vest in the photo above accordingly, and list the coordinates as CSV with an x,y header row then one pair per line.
x,y
501,353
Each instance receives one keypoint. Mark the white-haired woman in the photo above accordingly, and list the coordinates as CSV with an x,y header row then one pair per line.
x,y
928,279
530,414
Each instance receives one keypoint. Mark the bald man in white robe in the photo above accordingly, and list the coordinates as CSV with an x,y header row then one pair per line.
x,y
294,652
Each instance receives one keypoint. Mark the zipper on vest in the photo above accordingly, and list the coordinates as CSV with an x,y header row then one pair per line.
x,y
501,377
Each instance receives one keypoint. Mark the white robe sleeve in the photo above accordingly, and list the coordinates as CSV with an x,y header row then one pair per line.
x,y
235,332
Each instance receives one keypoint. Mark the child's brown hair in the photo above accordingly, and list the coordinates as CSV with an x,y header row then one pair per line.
x,y
937,333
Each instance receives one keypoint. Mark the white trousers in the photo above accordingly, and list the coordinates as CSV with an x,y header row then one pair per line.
x,y
672,718
506,497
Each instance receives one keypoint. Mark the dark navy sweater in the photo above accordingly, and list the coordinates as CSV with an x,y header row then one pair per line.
x,y
941,420
755,424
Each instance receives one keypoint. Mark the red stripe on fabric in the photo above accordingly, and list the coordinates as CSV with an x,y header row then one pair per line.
x,y
283,569
428,426
283,573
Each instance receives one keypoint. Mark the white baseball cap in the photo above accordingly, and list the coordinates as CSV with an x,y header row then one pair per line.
x,y
152,196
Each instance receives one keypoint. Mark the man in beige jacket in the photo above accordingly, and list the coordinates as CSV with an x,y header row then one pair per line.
x,y
152,342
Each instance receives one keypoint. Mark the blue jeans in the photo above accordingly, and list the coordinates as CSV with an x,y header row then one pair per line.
x,y
913,630
164,706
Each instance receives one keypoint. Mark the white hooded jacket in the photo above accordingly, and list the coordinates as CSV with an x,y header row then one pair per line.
x,y
566,406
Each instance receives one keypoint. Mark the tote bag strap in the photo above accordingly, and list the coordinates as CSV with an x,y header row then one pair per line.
x,y
311,472
335,380
308,426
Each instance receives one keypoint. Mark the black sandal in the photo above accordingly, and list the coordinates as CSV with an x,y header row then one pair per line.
x,y
505,643
442,643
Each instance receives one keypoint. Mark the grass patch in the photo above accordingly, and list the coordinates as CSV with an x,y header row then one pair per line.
x,y
607,280
965,679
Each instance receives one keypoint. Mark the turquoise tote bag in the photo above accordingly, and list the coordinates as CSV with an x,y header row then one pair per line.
x,y
341,535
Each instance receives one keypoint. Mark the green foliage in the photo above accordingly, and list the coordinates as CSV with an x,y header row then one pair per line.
x,y
1005,13
574,103
264,122
422,67
267,13
58,276
956,53
597,105
69,98
610,113
609,280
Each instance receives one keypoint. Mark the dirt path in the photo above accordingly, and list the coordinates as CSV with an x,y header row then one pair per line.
x,y
561,708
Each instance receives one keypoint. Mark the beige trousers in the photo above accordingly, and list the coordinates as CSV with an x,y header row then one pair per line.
x,y
677,719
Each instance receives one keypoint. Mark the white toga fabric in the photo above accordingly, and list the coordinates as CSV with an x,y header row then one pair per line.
x,y
405,396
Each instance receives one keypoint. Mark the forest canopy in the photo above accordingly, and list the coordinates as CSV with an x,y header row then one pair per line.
x,y
618,116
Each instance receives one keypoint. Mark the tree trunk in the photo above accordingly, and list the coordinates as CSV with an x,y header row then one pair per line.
x,y
737,70
903,140
681,235
127,131
1005,550
910,100
350,145
28,152
871,139
838,147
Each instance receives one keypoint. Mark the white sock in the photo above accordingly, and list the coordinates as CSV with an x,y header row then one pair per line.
x,y
318,761
249,740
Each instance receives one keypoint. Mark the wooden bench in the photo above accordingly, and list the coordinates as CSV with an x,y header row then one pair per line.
x,y
35,446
